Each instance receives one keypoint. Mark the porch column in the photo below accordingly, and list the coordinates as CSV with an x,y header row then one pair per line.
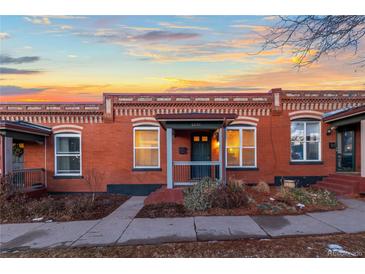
x,y
8,155
362,140
170,184
222,155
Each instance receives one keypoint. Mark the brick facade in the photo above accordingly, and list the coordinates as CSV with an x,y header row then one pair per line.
x,y
107,132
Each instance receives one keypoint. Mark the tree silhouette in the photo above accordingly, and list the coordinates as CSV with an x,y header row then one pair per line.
x,y
312,37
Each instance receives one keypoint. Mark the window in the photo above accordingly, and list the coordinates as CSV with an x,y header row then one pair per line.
x,y
241,147
146,147
305,141
68,154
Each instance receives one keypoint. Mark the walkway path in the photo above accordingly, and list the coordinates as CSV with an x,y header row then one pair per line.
x,y
120,227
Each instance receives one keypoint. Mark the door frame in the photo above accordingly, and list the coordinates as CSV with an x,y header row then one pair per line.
x,y
341,130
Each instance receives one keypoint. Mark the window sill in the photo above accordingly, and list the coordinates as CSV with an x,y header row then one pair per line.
x,y
242,168
147,169
306,163
68,177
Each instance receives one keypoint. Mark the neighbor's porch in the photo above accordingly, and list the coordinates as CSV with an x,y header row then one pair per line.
x,y
23,156
195,145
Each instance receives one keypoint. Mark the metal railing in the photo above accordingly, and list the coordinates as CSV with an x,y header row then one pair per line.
x,y
24,180
191,172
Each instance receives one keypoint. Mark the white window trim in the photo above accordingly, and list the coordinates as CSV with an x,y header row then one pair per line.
x,y
55,153
241,147
305,141
134,147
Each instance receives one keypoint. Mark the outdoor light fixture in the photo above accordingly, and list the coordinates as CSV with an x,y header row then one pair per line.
x,y
329,131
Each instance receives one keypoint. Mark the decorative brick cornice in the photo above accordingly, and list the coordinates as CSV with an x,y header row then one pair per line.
x,y
149,104
52,108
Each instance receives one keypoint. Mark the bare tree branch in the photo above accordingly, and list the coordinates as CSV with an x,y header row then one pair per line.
x,y
312,36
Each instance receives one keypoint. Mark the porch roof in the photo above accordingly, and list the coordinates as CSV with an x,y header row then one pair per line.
x,y
345,116
24,131
195,120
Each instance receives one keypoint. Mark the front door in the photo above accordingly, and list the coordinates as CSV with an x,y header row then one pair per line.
x,y
345,152
200,151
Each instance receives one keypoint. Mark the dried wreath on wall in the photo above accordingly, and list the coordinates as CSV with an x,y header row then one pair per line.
x,y
18,149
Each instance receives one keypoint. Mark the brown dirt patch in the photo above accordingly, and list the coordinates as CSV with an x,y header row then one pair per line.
x,y
294,247
68,207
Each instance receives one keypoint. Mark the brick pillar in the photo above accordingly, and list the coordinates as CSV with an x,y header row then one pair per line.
x,y
362,140
276,101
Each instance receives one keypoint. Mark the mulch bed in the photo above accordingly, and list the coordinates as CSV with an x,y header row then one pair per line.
x,y
68,207
292,247
262,206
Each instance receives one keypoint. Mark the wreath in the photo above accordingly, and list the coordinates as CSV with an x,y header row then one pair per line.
x,y
17,150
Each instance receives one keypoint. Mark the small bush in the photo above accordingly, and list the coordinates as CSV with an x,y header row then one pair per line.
x,y
308,196
198,197
262,187
229,196
237,182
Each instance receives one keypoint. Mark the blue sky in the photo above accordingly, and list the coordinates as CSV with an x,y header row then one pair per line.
x,y
77,58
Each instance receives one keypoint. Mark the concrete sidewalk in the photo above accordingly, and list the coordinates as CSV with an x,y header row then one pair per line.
x,y
122,228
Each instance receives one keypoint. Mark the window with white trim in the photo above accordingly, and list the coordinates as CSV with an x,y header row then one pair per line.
x,y
305,141
146,147
241,147
68,154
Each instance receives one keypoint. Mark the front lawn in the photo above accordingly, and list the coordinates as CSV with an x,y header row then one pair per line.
x,y
67,207
210,199
353,245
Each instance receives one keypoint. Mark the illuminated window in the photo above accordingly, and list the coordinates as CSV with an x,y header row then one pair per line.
x,y
241,147
204,138
305,141
146,147
196,138
68,154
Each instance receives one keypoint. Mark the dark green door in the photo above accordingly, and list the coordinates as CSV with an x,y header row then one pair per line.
x,y
345,153
200,151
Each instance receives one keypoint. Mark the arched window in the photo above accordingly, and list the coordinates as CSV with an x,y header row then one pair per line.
x,y
146,147
68,160
241,147
305,141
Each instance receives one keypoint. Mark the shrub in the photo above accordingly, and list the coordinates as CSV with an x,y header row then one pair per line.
x,y
262,187
198,197
229,196
308,196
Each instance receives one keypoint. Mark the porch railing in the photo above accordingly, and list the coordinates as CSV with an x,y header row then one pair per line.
x,y
191,172
24,180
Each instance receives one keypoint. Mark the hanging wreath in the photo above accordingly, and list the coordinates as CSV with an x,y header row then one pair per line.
x,y
18,150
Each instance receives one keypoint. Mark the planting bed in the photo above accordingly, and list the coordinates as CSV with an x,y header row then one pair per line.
x,y
260,203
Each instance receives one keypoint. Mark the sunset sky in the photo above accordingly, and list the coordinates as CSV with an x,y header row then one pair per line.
x,y
77,58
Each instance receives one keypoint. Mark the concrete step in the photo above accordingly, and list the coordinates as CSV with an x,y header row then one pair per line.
x,y
341,182
337,186
347,176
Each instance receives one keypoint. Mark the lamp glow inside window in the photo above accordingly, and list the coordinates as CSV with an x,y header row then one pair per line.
x,y
68,154
146,147
241,147
305,141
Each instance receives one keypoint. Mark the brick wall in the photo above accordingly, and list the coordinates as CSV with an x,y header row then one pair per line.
x,y
107,144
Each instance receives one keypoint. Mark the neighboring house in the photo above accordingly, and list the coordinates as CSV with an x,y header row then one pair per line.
x,y
139,142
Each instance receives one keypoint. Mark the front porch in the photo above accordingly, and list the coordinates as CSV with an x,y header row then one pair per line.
x,y
195,145
349,127
18,141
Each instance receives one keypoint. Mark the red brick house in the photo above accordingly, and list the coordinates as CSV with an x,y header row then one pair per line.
x,y
138,142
